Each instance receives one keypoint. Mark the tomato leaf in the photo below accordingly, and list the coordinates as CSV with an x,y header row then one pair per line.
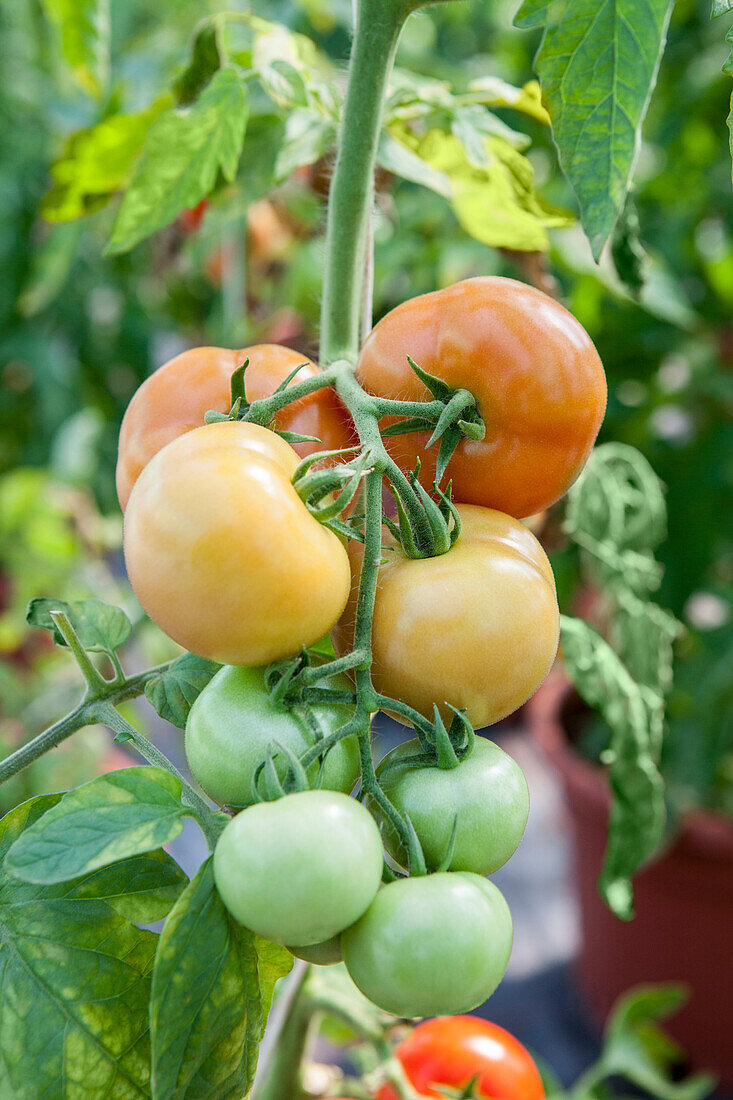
x,y
607,55
96,162
111,818
75,974
636,825
308,136
207,57
182,156
101,628
205,1042
636,1049
495,201
85,39
175,690
721,7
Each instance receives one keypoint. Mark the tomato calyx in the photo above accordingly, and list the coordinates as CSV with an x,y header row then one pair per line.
x,y
267,786
458,419
425,528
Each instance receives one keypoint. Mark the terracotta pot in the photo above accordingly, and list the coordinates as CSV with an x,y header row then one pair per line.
x,y
683,929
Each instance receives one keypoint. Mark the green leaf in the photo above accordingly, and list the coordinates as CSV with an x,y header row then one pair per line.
x,y
636,1049
730,125
598,65
143,889
308,136
496,203
85,39
101,627
96,162
211,992
111,818
175,690
74,980
182,156
721,7
207,57
636,825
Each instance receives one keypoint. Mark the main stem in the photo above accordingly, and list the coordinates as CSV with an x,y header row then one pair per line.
x,y
377,32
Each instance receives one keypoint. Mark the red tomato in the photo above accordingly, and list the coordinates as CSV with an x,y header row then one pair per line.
x,y
535,374
451,1050
176,397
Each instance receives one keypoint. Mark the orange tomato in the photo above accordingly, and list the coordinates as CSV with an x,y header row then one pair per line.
x,y
177,396
535,374
223,554
476,627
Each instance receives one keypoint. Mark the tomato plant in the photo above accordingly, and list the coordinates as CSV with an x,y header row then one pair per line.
x,y
235,719
301,869
476,627
177,396
484,797
471,407
222,553
453,1050
537,379
433,944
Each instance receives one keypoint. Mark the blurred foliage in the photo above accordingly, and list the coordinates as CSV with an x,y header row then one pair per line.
x,y
80,330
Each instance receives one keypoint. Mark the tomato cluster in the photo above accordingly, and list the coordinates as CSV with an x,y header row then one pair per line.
x,y
227,557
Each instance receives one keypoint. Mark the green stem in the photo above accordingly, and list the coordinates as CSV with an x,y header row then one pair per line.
x,y
211,823
79,717
264,410
377,32
283,1051
96,683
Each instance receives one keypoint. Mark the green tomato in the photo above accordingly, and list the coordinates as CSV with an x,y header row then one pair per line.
x,y
301,869
322,954
486,795
234,720
436,945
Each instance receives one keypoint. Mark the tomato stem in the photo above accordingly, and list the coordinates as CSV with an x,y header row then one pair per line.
x,y
114,692
211,822
377,32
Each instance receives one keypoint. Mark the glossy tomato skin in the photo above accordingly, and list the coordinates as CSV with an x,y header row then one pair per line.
x,y
430,945
177,396
486,795
451,1050
235,719
537,378
223,554
477,627
299,870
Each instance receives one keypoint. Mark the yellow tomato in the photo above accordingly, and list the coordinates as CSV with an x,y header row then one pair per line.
x,y
476,627
223,554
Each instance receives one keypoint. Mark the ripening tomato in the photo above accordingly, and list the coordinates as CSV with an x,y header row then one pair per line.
x,y
223,554
177,396
476,627
535,374
432,944
301,869
452,1050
